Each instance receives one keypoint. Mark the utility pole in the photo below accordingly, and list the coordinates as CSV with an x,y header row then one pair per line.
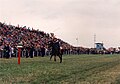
x,y
77,41
94,40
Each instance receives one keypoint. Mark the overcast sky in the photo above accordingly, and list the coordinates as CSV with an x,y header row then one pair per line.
x,y
68,19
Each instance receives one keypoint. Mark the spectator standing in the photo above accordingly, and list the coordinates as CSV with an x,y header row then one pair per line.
x,y
42,51
7,51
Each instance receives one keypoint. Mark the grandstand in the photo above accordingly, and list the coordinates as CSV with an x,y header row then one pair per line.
x,y
30,38
35,42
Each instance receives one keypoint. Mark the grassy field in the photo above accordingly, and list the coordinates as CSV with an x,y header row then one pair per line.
x,y
75,69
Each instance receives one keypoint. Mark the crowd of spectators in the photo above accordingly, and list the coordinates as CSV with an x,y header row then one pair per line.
x,y
35,43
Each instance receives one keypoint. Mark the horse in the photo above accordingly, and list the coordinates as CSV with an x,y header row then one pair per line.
x,y
55,50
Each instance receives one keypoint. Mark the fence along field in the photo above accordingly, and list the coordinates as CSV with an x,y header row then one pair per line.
x,y
79,69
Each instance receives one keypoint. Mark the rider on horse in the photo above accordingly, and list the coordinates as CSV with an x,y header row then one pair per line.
x,y
55,49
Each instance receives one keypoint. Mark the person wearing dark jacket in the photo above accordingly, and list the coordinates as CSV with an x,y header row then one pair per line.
x,y
27,51
42,51
7,51
31,51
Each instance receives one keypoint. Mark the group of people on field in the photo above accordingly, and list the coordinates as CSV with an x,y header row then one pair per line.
x,y
36,43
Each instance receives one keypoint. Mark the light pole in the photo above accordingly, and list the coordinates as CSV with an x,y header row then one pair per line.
x,y
77,41
94,40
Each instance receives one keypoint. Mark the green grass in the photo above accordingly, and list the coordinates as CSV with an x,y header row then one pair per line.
x,y
75,69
